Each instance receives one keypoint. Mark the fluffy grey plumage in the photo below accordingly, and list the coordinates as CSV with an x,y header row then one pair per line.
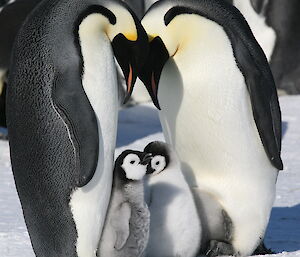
x,y
126,230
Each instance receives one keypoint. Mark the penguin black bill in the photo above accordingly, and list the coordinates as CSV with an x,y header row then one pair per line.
x,y
151,72
131,55
146,159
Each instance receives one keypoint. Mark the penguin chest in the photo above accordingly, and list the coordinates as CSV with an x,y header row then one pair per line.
x,y
99,80
206,115
171,202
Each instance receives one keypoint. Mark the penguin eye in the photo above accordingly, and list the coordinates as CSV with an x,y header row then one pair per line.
x,y
132,162
157,163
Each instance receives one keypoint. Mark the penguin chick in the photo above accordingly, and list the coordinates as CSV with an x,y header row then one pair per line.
x,y
126,230
175,228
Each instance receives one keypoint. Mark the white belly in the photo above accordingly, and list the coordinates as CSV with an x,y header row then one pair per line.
x,y
206,115
89,203
175,228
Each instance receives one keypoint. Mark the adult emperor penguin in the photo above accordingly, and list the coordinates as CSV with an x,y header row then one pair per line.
x,y
175,227
62,108
126,230
220,111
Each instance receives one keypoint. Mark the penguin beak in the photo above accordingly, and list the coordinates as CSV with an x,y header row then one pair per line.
x,y
131,55
146,159
151,71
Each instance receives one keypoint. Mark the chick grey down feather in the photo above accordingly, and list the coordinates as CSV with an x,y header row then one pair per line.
x,y
126,229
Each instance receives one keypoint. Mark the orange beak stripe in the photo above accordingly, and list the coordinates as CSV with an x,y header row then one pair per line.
x,y
129,80
153,83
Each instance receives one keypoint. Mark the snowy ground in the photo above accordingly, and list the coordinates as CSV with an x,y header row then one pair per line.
x,y
140,125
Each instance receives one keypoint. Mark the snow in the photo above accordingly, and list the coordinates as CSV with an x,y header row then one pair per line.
x,y
138,126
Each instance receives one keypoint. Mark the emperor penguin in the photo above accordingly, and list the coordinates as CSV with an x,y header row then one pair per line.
x,y
219,109
175,227
275,25
62,110
126,230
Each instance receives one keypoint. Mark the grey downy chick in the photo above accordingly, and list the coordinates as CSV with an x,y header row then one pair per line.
x,y
126,229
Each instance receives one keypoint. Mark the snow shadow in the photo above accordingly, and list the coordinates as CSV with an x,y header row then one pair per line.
x,y
159,207
136,123
283,233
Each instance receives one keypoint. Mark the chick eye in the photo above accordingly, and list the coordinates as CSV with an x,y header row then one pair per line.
x,y
132,162
157,163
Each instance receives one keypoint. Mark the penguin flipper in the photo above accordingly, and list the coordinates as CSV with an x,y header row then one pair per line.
x,y
75,109
261,87
120,222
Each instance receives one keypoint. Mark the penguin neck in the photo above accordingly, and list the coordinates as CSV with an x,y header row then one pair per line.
x,y
99,77
184,32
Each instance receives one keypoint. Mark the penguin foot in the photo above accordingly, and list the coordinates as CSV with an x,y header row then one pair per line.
x,y
262,250
227,223
217,248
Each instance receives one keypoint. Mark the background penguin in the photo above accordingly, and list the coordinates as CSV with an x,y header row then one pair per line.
x,y
12,16
126,230
219,110
62,109
275,25
175,228
282,17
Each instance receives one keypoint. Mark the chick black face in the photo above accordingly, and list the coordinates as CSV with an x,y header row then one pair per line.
x,y
132,165
160,157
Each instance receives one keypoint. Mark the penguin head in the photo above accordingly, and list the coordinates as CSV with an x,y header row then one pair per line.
x,y
172,27
127,36
132,165
160,157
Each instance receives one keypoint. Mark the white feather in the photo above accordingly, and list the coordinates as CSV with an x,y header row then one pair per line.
x,y
89,203
175,228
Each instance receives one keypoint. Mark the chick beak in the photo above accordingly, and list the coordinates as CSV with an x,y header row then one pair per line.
x,y
146,159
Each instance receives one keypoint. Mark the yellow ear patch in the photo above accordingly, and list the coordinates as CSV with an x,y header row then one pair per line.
x,y
125,23
131,36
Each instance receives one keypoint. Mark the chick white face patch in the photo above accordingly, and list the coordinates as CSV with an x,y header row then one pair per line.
x,y
133,168
158,164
